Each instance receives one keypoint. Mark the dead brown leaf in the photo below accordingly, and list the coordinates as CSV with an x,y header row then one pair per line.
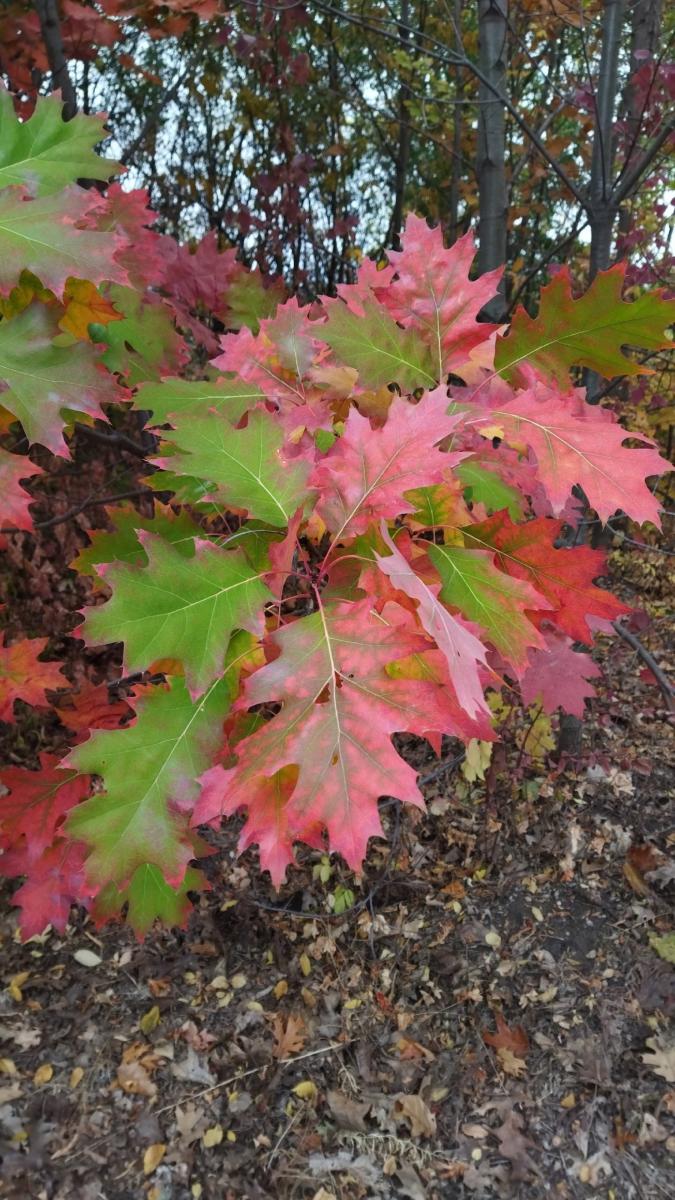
x,y
510,1063
506,1037
348,1113
514,1145
133,1079
635,880
661,1059
289,1035
412,1109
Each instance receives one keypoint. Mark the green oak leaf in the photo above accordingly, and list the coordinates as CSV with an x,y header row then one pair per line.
x,y
44,379
44,236
485,487
246,464
249,301
149,772
377,347
122,544
472,583
179,608
144,345
171,398
590,331
46,153
149,898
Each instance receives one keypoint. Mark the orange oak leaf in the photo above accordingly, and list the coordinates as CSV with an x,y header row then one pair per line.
x,y
24,677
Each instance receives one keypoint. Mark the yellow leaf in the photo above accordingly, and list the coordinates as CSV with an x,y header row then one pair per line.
x,y
280,989
43,1074
213,1136
149,1020
510,1063
76,1076
306,1090
85,306
153,1157
478,756
7,1067
305,965
537,739
568,1101
664,946
15,984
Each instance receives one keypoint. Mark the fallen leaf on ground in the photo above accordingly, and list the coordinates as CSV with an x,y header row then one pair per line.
x,y
514,1145
153,1157
87,958
510,1063
664,946
192,1069
43,1074
412,1109
506,1037
661,1059
133,1079
349,1113
289,1035
212,1137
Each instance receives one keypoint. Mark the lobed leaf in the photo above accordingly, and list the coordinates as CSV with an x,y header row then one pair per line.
x,y
179,607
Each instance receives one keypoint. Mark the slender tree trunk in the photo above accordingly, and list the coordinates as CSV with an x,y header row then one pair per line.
x,y
403,152
50,27
456,175
491,147
646,20
603,205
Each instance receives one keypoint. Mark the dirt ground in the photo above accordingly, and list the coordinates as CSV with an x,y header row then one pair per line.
x,y
488,1016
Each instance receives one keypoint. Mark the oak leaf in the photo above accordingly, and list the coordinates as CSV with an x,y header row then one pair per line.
x,y
24,677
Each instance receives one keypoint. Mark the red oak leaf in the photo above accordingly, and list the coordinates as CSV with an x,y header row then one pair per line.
x,y
93,708
365,474
370,280
339,710
433,293
128,214
23,677
463,652
277,358
14,500
579,443
37,803
563,577
54,882
558,676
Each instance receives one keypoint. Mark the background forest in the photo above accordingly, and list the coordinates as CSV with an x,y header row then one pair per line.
x,y
483,1011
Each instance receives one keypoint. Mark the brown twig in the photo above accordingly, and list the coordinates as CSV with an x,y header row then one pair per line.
x,y
661,678
92,502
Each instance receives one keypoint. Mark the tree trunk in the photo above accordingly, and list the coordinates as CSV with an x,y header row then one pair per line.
x,y
603,206
646,19
50,27
403,152
456,175
491,146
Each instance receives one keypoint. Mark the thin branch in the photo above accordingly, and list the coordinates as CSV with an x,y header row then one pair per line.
x,y
92,502
450,59
50,28
115,439
633,176
648,659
